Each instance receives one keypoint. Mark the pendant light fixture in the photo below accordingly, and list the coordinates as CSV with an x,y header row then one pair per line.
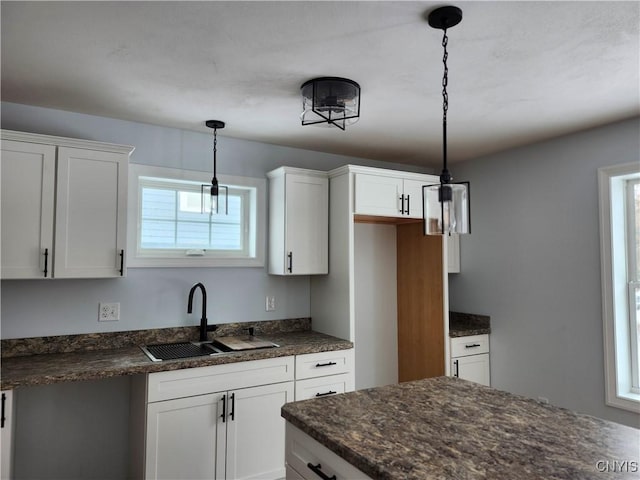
x,y
328,101
214,188
446,204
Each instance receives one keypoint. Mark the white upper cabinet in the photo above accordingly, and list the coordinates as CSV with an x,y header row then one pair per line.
x,y
413,197
28,177
377,195
298,221
91,208
389,193
70,191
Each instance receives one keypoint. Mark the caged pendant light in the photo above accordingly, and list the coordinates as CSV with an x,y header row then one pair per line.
x,y
330,101
214,188
446,204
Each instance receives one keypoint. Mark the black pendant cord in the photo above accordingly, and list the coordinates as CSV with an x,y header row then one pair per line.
x,y
215,149
445,177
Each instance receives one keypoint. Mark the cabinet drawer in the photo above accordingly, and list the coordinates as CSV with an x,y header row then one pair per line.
x,y
293,474
303,451
472,345
216,378
324,363
323,386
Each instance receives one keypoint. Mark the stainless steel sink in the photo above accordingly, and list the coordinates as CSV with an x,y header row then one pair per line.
x,y
172,351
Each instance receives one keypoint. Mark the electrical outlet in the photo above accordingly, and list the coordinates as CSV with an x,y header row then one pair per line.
x,y
108,312
270,304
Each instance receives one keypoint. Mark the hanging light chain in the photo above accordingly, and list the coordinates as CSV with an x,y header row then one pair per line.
x,y
445,77
445,177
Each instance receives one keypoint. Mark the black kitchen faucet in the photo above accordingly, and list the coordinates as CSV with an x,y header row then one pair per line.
x,y
204,326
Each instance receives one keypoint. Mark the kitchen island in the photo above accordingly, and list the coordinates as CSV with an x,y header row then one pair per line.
x,y
448,428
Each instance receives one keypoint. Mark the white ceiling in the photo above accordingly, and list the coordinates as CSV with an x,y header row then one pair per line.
x,y
519,72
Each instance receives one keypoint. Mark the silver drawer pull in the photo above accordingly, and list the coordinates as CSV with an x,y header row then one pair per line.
x,y
473,345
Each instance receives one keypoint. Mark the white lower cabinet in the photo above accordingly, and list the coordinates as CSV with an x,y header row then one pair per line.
x,y
186,438
325,373
255,433
470,358
323,386
6,436
223,421
309,460
226,425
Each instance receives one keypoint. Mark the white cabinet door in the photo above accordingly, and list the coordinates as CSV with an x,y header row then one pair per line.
x,y
413,198
91,213
378,195
27,171
256,432
307,224
388,196
186,438
298,222
6,437
474,368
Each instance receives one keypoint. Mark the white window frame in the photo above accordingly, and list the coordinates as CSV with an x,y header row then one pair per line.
x,y
633,281
618,354
178,258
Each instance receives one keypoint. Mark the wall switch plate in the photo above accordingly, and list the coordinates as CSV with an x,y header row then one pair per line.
x,y
270,304
108,312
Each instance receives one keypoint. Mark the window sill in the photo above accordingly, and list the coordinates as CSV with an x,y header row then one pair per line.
x,y
141,262
626,401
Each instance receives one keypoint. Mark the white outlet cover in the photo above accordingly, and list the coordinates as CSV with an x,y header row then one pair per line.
x,y
108,312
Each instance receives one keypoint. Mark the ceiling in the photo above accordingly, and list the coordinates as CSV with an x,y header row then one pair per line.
x,y
519,72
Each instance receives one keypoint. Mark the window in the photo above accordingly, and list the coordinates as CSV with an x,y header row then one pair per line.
x,y
620,260
632,225
172,224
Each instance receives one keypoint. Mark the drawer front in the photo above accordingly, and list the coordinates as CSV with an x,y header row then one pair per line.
x,y
293,474
216,378
308,457
325,363
461,346
323,386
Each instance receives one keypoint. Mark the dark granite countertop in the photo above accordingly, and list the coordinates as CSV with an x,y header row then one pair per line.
x,y
45,368
448,428
467,324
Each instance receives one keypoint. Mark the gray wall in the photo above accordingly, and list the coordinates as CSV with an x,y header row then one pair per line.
x,y
152,297
532,263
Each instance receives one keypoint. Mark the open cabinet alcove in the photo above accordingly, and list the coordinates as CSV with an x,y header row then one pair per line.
x,y
387,284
